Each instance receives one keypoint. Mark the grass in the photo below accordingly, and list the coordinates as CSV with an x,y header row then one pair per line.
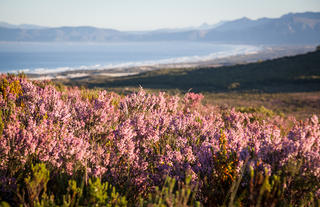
x,y
301,105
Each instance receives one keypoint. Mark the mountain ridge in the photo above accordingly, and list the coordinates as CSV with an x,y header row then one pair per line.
x,y
291,28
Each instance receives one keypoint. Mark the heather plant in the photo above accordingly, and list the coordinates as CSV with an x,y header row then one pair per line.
x,y
223,175
80,142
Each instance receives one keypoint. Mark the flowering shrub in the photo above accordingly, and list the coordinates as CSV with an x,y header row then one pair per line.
x,y
135,142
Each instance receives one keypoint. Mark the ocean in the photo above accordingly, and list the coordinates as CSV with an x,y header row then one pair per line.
x,y
42,57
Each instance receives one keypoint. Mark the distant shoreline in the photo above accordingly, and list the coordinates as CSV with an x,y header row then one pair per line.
x,y
265,53
52,58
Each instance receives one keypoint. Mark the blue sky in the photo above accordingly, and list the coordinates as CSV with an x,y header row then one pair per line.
x,y
144,14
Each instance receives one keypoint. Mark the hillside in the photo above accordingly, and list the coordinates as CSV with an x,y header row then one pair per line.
x,y
299,73
290,28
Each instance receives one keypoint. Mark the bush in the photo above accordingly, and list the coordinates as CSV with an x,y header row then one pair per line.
x,y
74,147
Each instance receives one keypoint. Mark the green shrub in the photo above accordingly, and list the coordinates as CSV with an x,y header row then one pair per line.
x,y
104,194
181,195
34,191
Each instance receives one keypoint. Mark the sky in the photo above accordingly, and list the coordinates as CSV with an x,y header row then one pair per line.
x,y
144,14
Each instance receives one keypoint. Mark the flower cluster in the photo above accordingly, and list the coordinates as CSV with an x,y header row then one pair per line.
x,y
136,141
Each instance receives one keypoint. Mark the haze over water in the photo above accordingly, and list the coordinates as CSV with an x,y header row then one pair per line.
x,y
57,57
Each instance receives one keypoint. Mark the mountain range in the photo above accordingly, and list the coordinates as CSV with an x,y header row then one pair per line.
x,y
292,28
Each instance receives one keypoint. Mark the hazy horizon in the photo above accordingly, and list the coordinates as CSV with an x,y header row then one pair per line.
x,y
137,30
143,14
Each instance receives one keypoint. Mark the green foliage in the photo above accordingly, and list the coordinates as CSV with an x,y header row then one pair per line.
x,y
3,87
35,185
104,194
6,88
45,201
14,87
283,188
89,94
280,189
72,198
4,204
260,110
1,123
170,194
36,192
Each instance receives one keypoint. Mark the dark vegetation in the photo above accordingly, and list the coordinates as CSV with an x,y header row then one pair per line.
x,y
288,74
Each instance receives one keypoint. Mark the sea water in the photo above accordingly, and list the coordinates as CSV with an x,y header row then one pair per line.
x,y
42,57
